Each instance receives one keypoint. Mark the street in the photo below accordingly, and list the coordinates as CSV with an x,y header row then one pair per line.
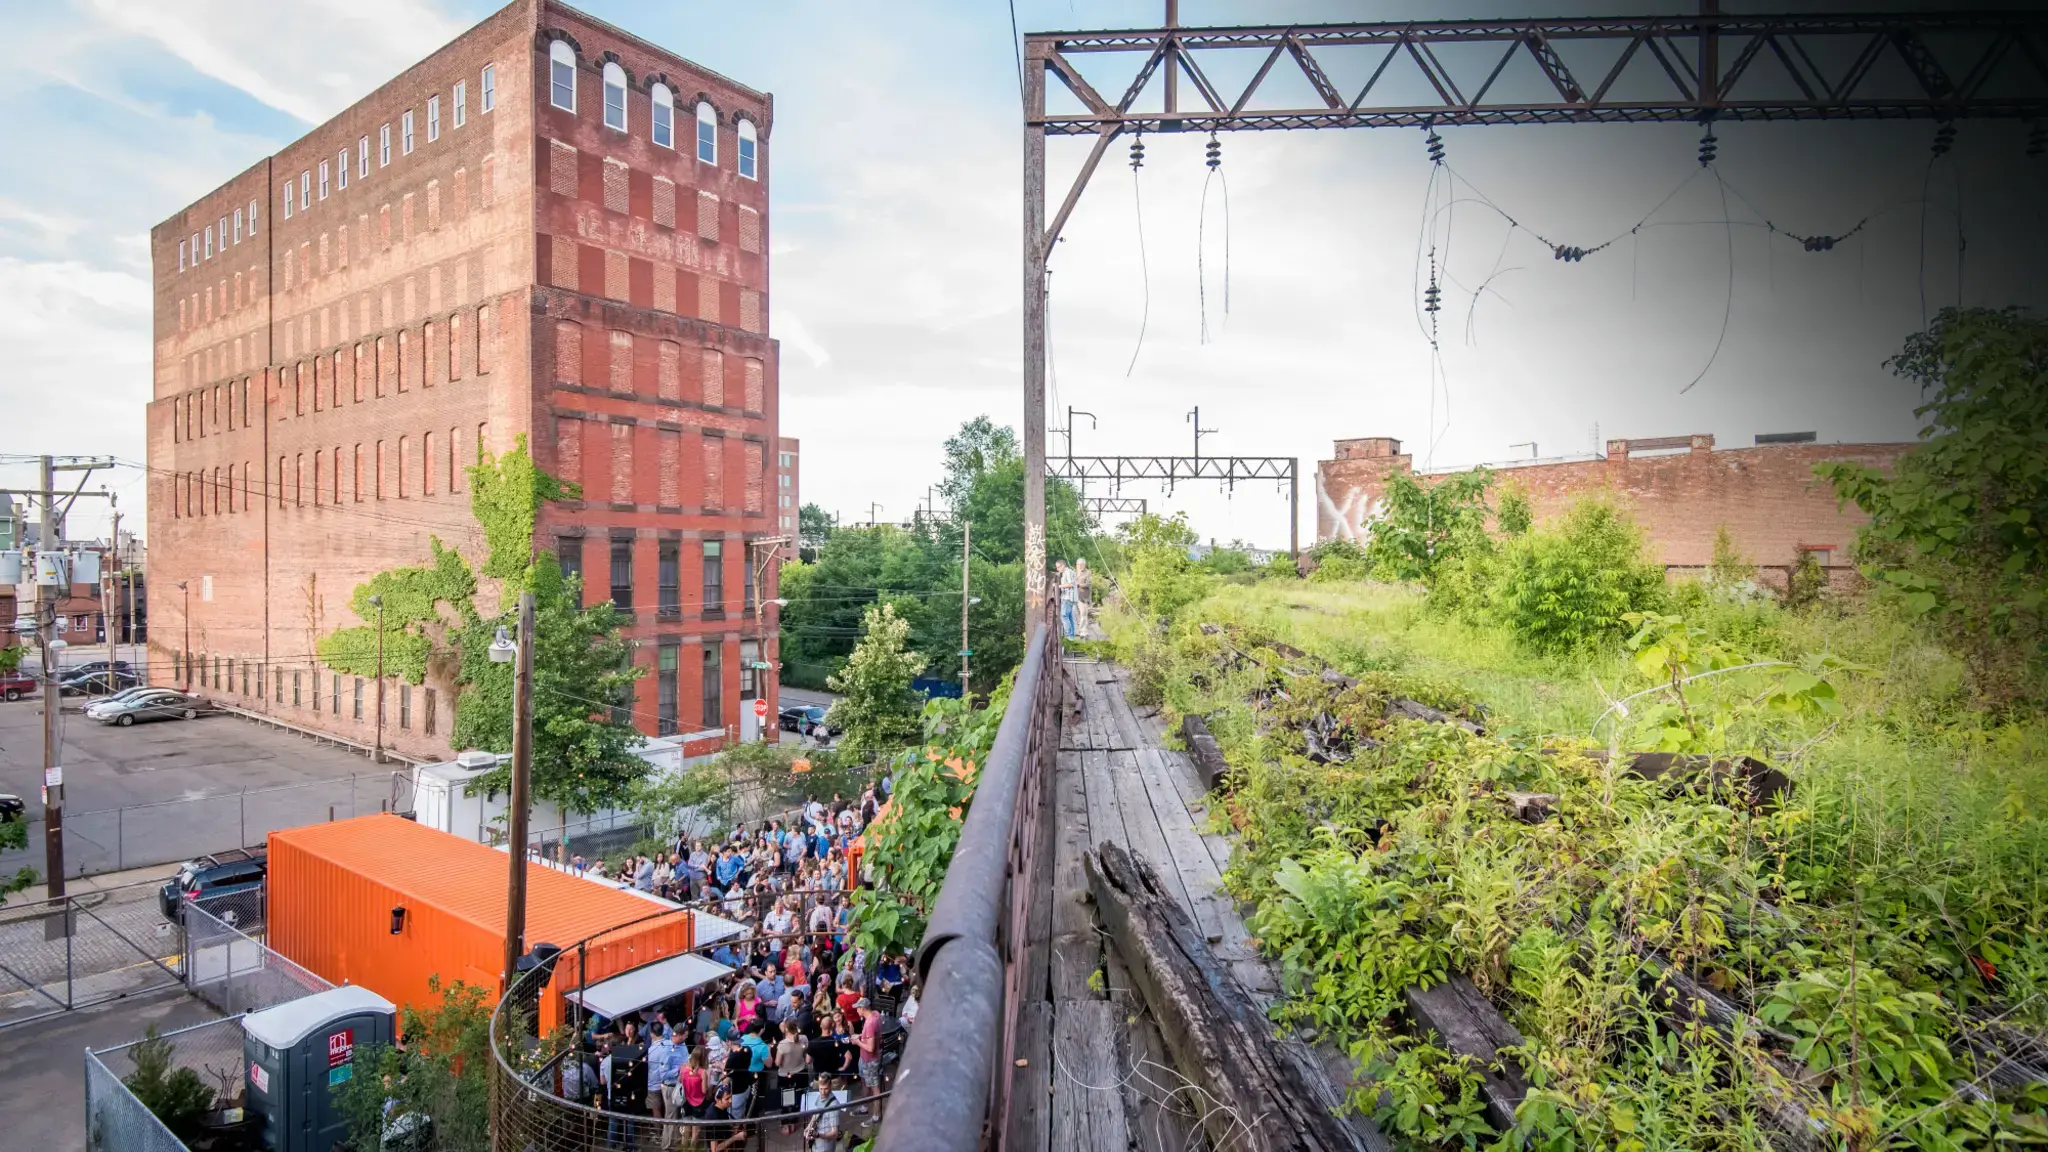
x,y
187,773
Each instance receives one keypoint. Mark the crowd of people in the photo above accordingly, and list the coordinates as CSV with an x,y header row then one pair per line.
x,y
807,1025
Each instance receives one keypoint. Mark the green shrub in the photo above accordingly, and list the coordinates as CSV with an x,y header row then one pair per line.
x,y
1338,567
1568,587
176,1096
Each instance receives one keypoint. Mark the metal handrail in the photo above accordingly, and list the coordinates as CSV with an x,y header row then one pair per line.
x,y
949,1084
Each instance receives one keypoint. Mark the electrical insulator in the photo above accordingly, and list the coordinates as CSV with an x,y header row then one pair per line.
x,y
1137,153
1944,139
1819,243
1436,148
1567,253
1215,151
2037,140
1709,147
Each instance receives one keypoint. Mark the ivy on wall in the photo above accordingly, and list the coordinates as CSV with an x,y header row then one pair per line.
x,y
583,748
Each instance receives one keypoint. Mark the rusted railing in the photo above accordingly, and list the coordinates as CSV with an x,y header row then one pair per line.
x,y
954,1085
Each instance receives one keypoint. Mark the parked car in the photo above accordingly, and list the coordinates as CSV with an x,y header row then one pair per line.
x,y
12,807
161,704
210,876
91,666
805,720
15,685
94,709
96,683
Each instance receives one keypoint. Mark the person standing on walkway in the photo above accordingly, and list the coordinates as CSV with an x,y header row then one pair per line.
x,y
1083,596
1069,591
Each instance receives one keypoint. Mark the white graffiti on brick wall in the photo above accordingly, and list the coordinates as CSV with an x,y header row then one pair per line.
x,y
1346,518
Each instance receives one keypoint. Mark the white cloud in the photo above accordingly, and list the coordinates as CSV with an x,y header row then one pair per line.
x,y
309,58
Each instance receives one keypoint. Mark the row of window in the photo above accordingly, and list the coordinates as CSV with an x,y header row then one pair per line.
x,y
668,603
439,351
401,468
309,686
661,115
246,678
202,244
332,175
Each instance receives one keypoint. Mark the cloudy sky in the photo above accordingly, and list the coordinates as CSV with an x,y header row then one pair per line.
x,y
896,225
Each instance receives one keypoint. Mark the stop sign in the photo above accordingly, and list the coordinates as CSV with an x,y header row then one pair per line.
x,y
761,708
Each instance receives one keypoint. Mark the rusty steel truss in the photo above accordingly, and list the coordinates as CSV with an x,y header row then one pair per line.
x,y
1704,67
1100,506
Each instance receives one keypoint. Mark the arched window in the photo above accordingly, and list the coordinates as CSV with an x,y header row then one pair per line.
x,y
747,161
707,133
664,117
614,97
562,70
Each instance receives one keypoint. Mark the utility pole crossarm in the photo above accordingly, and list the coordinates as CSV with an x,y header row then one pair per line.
x,y
1867,66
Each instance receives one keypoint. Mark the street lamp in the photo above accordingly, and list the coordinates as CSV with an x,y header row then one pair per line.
x,y
503,650
377,753
188,634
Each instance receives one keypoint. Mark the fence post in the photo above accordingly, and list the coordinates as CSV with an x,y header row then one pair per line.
x,y
352,795
242,837
121,838
70,981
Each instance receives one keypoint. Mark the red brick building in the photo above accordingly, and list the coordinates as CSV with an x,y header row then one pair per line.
x,y
548,229
788,496
1680,489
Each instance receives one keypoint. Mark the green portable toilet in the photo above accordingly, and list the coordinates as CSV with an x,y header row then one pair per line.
x,y
297,1055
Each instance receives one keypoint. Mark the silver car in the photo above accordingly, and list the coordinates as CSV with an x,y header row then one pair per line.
x,y
94,709
162,704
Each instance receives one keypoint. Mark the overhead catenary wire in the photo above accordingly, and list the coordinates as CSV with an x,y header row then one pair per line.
x,y
1214,161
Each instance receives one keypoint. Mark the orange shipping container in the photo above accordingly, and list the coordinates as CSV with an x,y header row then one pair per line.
x,y
333,888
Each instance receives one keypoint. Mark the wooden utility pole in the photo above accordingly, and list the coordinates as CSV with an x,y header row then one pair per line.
x,y
522,781
966,548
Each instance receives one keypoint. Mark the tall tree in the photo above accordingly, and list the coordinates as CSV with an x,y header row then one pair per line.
x,y
877,712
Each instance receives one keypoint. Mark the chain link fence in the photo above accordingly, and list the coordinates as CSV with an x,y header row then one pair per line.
x,y
235,972
174,831
118,1122
77,951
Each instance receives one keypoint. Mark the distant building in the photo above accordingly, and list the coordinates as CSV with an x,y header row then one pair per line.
x,y
788,500
1681,490
549,230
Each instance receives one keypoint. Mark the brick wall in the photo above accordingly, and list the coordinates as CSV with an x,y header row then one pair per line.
x,y
1767,497
344,365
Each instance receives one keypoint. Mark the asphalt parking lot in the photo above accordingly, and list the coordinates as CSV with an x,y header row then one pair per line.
x,y
168,790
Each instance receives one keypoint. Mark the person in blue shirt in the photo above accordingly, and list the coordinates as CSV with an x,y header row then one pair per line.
x,y
664,1066
727,868
723,954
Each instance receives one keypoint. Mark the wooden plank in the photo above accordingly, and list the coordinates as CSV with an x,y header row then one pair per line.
x,y
1087,1104
1162,1118
1144,838
1218,1038
1469,1025
1076,950
1105,819
1031,1085
1202,880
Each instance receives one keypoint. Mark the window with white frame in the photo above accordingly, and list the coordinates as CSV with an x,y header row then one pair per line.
x,y
664,121
405,133
614,97
287,199
341,170
209,241
487,99
223,232
707,132
747,157
252,217
183,251
461,103
195,249
363,158
238,225
323,179
384,146
562,76
305,189
433,118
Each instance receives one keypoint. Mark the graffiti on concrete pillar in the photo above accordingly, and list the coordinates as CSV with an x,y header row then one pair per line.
x,y
1034,563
